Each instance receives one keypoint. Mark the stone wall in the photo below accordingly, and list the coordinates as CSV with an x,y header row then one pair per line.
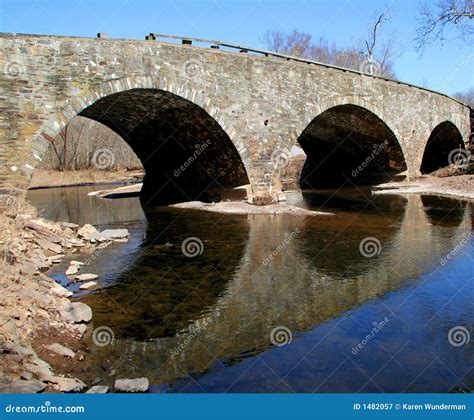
x,y
261,104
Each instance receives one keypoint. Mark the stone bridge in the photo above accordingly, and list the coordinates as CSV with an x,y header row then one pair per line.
x,y
203,120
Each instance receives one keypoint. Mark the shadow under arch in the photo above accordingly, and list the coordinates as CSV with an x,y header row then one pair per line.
x,y
187,147
349,143
444,138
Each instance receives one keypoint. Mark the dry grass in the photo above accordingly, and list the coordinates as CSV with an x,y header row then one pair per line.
x,y
43,178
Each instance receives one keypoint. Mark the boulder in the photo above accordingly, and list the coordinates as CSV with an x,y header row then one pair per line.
x,y
88,285
98,389
132,385
77,312
68,384
72,226
90,233
86,277
72,269
20,386
43,373
111,234
48,245
60,350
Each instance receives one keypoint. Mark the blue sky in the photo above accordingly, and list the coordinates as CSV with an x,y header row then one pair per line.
x,y
447,66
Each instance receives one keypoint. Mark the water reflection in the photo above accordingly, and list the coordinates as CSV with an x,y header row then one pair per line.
x,y
204,323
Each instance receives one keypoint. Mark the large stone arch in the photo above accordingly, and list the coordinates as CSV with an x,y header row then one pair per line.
x,y
374,116
443,141
85,98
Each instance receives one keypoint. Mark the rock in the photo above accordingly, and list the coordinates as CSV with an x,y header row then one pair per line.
x,y
77,312
20,386
28,268
110,234
74,262
43,373
96,381
60,350
72,226
132,385
59,290
80,329
77,242
86,277
123,240
48,245
8,329
72,269
27,376
90,233
98,389
55,259
43,229
88,285
68,384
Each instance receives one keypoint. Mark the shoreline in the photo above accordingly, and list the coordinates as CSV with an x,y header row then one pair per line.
x,y
44,331
460,187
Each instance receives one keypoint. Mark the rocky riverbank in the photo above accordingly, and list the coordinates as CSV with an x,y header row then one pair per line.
x,y
459,186
41,330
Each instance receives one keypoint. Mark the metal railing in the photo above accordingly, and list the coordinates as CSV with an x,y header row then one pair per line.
x,y
244,49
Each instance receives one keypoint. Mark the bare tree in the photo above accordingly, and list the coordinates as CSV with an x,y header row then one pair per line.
x,y
301,44
79,143
445,15
467,97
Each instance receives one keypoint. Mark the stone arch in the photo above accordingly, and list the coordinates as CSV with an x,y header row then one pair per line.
x,y
346,136
443,139
82,99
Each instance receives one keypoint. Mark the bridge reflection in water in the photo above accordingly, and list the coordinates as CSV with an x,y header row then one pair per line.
x,y
196,324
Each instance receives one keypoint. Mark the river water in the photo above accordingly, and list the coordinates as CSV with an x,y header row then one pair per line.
x,y
281,303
